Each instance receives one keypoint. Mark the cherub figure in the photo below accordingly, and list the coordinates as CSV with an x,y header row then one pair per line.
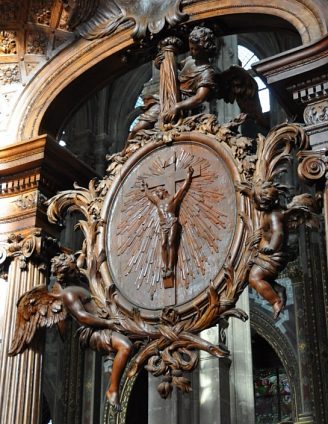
x,y
167,206
198,81
272,249
42,308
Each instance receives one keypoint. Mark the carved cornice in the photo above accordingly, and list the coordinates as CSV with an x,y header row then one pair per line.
x,y
296,61
34,164
312,90
29,175
298,76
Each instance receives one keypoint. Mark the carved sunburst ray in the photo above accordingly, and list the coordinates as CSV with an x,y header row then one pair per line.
x,y
201,221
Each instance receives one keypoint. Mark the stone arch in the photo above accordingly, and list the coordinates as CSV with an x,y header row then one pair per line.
x,y
62,71
264,326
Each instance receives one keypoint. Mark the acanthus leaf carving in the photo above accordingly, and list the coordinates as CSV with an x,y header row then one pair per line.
x,y
96,18
8,42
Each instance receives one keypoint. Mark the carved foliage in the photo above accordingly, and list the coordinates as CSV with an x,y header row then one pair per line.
x,y
40,11
316,113
9,74
95,19
36,42
169,346
8,42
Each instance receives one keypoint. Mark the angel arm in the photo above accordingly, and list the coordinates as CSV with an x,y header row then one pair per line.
x,y
148,193
75,308
193,101
179,195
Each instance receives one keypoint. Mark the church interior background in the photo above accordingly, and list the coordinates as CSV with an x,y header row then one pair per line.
x,y
66,103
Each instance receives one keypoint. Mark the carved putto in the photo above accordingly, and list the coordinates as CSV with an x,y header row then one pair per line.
x,y
187,215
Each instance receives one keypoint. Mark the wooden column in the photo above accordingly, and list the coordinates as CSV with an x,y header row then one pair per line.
x,y
30,172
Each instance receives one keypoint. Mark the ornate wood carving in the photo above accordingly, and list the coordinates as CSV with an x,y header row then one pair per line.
x,y
95,19
28,176
164,264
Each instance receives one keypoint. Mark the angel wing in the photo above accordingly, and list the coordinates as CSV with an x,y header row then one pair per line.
x,y
36,308
236,84
302,210
199,219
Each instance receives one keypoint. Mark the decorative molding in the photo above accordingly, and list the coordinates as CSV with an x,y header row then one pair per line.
x,y
8,43
9,74
40,11
312,90
317,113
30,200
95,19
36,42
8,11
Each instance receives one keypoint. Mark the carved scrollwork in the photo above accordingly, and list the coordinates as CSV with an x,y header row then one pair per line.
x,y
312,165
165,211
95,19
36,246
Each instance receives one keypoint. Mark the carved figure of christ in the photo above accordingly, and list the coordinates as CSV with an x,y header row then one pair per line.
x,y
168,206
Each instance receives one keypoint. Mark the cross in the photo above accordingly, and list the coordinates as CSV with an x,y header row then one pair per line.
x,y
171,177
169,180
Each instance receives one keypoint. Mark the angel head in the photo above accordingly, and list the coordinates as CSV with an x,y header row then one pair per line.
x,y
266,195
64,268
202,43
161,193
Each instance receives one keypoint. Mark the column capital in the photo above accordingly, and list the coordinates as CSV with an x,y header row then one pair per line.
x,y
313,165
36,246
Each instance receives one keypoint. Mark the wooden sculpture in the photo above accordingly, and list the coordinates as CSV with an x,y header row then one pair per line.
x,y
187,215
168,206
199,81
40,307
271,239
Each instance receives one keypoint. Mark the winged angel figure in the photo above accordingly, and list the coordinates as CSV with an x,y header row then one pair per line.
x,y
199,81
40,308
162,230
270,240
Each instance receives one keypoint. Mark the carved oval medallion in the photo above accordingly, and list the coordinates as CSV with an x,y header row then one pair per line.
x,y
172,222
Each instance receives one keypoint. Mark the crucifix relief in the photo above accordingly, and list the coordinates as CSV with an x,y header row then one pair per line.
x,y
167,201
